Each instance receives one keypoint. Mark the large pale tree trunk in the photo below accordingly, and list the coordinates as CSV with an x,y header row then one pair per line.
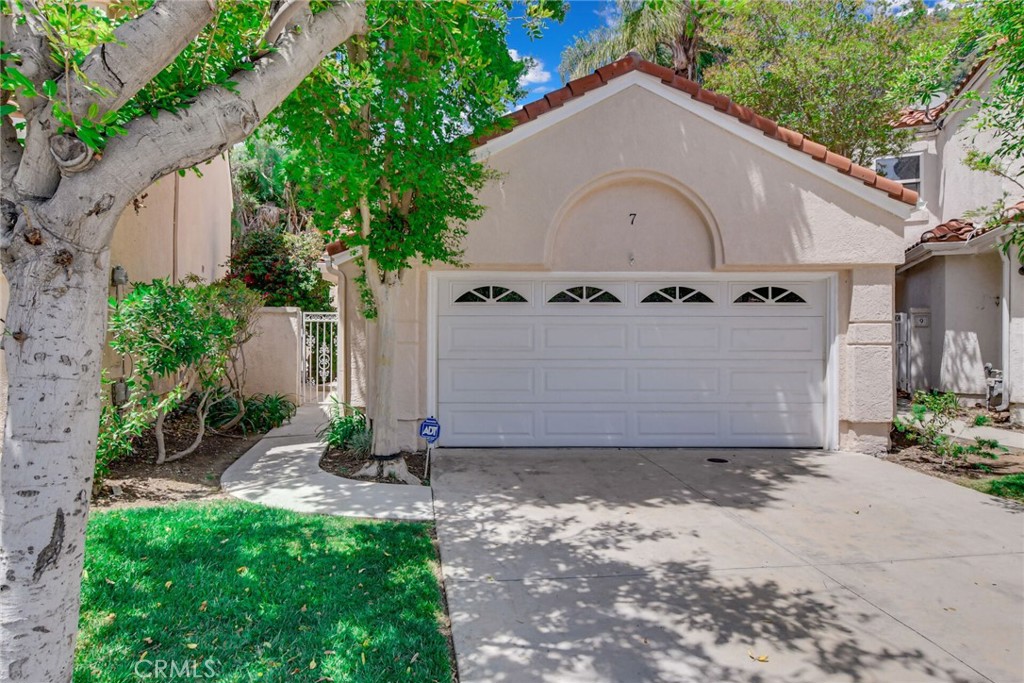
x,y
56,323
59,207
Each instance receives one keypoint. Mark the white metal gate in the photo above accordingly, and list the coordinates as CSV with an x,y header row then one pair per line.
x,y
318,371
903,352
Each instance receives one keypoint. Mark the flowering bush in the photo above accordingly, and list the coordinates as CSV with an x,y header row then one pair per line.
x,y
284,266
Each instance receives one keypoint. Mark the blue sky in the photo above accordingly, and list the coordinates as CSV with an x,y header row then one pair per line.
x,y
583,15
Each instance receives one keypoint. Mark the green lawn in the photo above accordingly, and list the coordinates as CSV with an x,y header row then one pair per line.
x,y
1011,486
237,592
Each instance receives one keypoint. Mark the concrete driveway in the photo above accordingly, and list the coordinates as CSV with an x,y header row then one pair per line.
x,y
658,565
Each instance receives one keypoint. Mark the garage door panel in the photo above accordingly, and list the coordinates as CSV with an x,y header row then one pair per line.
x,y
797,427
485,337
677,338
583,337
785,382
488,426
655,425
769,337
584,379
488,383
585,424
687,382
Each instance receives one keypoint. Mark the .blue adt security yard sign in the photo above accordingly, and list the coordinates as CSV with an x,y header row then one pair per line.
x,y
430,429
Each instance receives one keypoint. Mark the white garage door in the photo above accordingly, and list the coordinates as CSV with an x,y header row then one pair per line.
x,y
571,361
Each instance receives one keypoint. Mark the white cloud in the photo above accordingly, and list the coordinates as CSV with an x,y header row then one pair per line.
x,y
535,73
609,13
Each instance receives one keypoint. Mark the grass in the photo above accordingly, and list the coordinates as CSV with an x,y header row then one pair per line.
x,y
237,592
1011,486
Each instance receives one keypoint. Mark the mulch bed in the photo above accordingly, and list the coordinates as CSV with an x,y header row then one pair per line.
x,y
913,456
138,480
345,464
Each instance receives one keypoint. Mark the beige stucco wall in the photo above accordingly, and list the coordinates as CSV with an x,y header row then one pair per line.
x,y
1016,351
949,188
182,227
272,355
960,291
705,200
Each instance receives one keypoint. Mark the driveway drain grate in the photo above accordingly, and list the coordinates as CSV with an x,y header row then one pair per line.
x,y
717,460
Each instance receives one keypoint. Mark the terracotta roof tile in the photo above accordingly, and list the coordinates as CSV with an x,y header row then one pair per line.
x,y
841,163
557,97
911,117
617,68
961,230
633,62
663,72
956,230
537,107
581,86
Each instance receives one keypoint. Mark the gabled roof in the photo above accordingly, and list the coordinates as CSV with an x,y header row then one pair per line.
x,y
911,117
633,62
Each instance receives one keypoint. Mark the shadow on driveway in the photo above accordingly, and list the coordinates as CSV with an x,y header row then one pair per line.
x,y
657,565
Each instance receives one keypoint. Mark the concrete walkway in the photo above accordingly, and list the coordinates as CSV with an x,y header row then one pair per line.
x,y
572,565
283,470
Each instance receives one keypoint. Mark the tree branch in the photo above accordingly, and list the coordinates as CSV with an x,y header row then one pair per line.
x,y
10,152
217,119
142,48
113,73
23,35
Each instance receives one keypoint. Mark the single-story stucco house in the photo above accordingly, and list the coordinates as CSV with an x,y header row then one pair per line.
x,y
959,301
657,266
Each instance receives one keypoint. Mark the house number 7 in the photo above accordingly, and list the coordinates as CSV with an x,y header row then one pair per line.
x,y
632,218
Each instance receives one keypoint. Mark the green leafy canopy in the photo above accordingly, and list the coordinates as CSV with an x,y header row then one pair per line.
x,y
384,125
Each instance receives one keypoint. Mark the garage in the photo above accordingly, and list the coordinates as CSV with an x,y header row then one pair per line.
x,y
530,360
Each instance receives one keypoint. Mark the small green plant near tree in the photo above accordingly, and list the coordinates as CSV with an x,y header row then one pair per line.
x,y
347,430
931,413
982,420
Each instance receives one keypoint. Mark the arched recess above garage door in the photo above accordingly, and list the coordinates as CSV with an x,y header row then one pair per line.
x,y
633,220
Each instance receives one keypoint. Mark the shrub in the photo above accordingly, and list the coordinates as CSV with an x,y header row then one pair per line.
x,y
262,412
982,420
931,413
347,430
283,266
182,341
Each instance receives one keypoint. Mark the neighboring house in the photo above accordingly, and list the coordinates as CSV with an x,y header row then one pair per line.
x,y
657,266
180,225
962,301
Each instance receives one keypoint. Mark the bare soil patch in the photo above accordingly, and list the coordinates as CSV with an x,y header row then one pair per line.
x,y
137,480
346,464
912,455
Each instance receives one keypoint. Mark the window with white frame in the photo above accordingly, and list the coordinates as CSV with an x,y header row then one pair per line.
x,y
905,170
